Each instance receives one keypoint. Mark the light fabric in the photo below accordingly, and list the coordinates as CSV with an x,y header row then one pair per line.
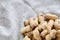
x,y
14,12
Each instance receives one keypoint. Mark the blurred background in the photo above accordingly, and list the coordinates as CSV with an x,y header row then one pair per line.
x,y
14,12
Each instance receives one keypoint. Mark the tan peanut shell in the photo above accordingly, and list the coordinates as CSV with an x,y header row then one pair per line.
x,y
40,17
26,22
33,22
50,23
58,35
48,37
36,34
44,33
26,29
42,26
56,24
51,35
29,34
50,16
26,38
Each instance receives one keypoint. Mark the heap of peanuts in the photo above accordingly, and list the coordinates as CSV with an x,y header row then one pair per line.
x,y
43,27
